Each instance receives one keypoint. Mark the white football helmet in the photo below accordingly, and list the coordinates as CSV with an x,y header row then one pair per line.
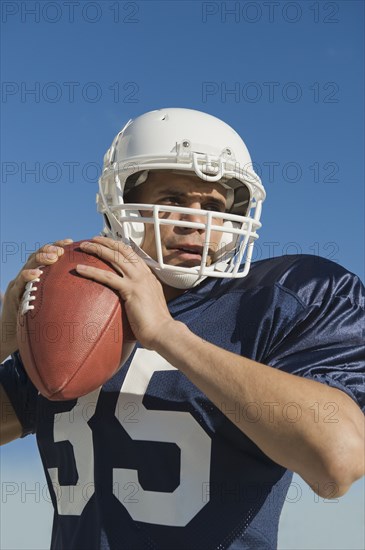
x,y
199,144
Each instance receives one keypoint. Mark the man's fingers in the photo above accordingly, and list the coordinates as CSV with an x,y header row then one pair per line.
x,y
47,255
120,255
117,246
63,242
17,286
101,275
30,274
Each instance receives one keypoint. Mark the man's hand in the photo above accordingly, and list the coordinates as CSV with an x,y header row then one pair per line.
x,y
142,293
46,255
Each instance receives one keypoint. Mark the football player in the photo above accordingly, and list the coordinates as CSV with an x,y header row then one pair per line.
x,y
240,375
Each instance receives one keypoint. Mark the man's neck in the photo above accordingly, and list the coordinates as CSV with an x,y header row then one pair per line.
x,y
171,292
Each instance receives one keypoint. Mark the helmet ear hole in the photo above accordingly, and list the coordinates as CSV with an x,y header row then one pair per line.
x,y
134,228
132,183
106,221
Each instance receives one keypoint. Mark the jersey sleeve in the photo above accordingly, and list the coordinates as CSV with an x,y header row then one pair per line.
x,y
325,341
21,392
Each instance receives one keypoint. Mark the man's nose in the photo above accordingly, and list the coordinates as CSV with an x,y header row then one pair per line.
x,y
195,217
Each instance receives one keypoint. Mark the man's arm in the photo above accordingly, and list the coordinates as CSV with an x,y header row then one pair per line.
x,y
328,456
46,255
10,427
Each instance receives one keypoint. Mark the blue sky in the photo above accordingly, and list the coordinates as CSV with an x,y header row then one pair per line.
x,y
288,76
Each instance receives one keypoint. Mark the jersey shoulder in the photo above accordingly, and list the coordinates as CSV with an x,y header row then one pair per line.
x,y
306,278
310,278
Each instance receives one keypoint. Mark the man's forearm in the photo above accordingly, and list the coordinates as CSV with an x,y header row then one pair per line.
x,y
308,427
8,343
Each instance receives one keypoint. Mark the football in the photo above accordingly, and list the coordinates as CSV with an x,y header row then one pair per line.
x,y
71,329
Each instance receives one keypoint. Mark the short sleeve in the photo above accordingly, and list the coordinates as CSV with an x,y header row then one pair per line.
x,y
326,339
21,392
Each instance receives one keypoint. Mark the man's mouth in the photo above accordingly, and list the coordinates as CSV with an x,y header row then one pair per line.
x,y
187,253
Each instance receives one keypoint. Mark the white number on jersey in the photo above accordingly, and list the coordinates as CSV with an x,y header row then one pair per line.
x,y
176,508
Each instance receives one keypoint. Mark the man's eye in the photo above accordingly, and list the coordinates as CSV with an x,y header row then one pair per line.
x,y
214,207
170,200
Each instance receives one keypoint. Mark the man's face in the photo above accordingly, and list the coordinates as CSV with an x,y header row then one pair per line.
x,y
181,246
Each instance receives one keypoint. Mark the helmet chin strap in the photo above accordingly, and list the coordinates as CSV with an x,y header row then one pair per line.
x,y
170,278
178,280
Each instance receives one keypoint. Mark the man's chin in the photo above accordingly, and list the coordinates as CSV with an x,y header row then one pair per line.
x,y
183,259
184,263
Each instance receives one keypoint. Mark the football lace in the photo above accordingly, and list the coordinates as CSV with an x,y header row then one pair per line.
x,y
28,296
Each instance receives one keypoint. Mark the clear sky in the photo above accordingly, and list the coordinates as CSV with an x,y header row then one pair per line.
x,y
288,76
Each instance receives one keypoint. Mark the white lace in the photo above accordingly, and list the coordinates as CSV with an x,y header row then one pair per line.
x,y
28,296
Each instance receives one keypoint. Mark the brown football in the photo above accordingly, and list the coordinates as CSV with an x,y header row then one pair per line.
x,y
70,329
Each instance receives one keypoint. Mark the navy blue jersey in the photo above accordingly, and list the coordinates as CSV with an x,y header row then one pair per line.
x,y
148,462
